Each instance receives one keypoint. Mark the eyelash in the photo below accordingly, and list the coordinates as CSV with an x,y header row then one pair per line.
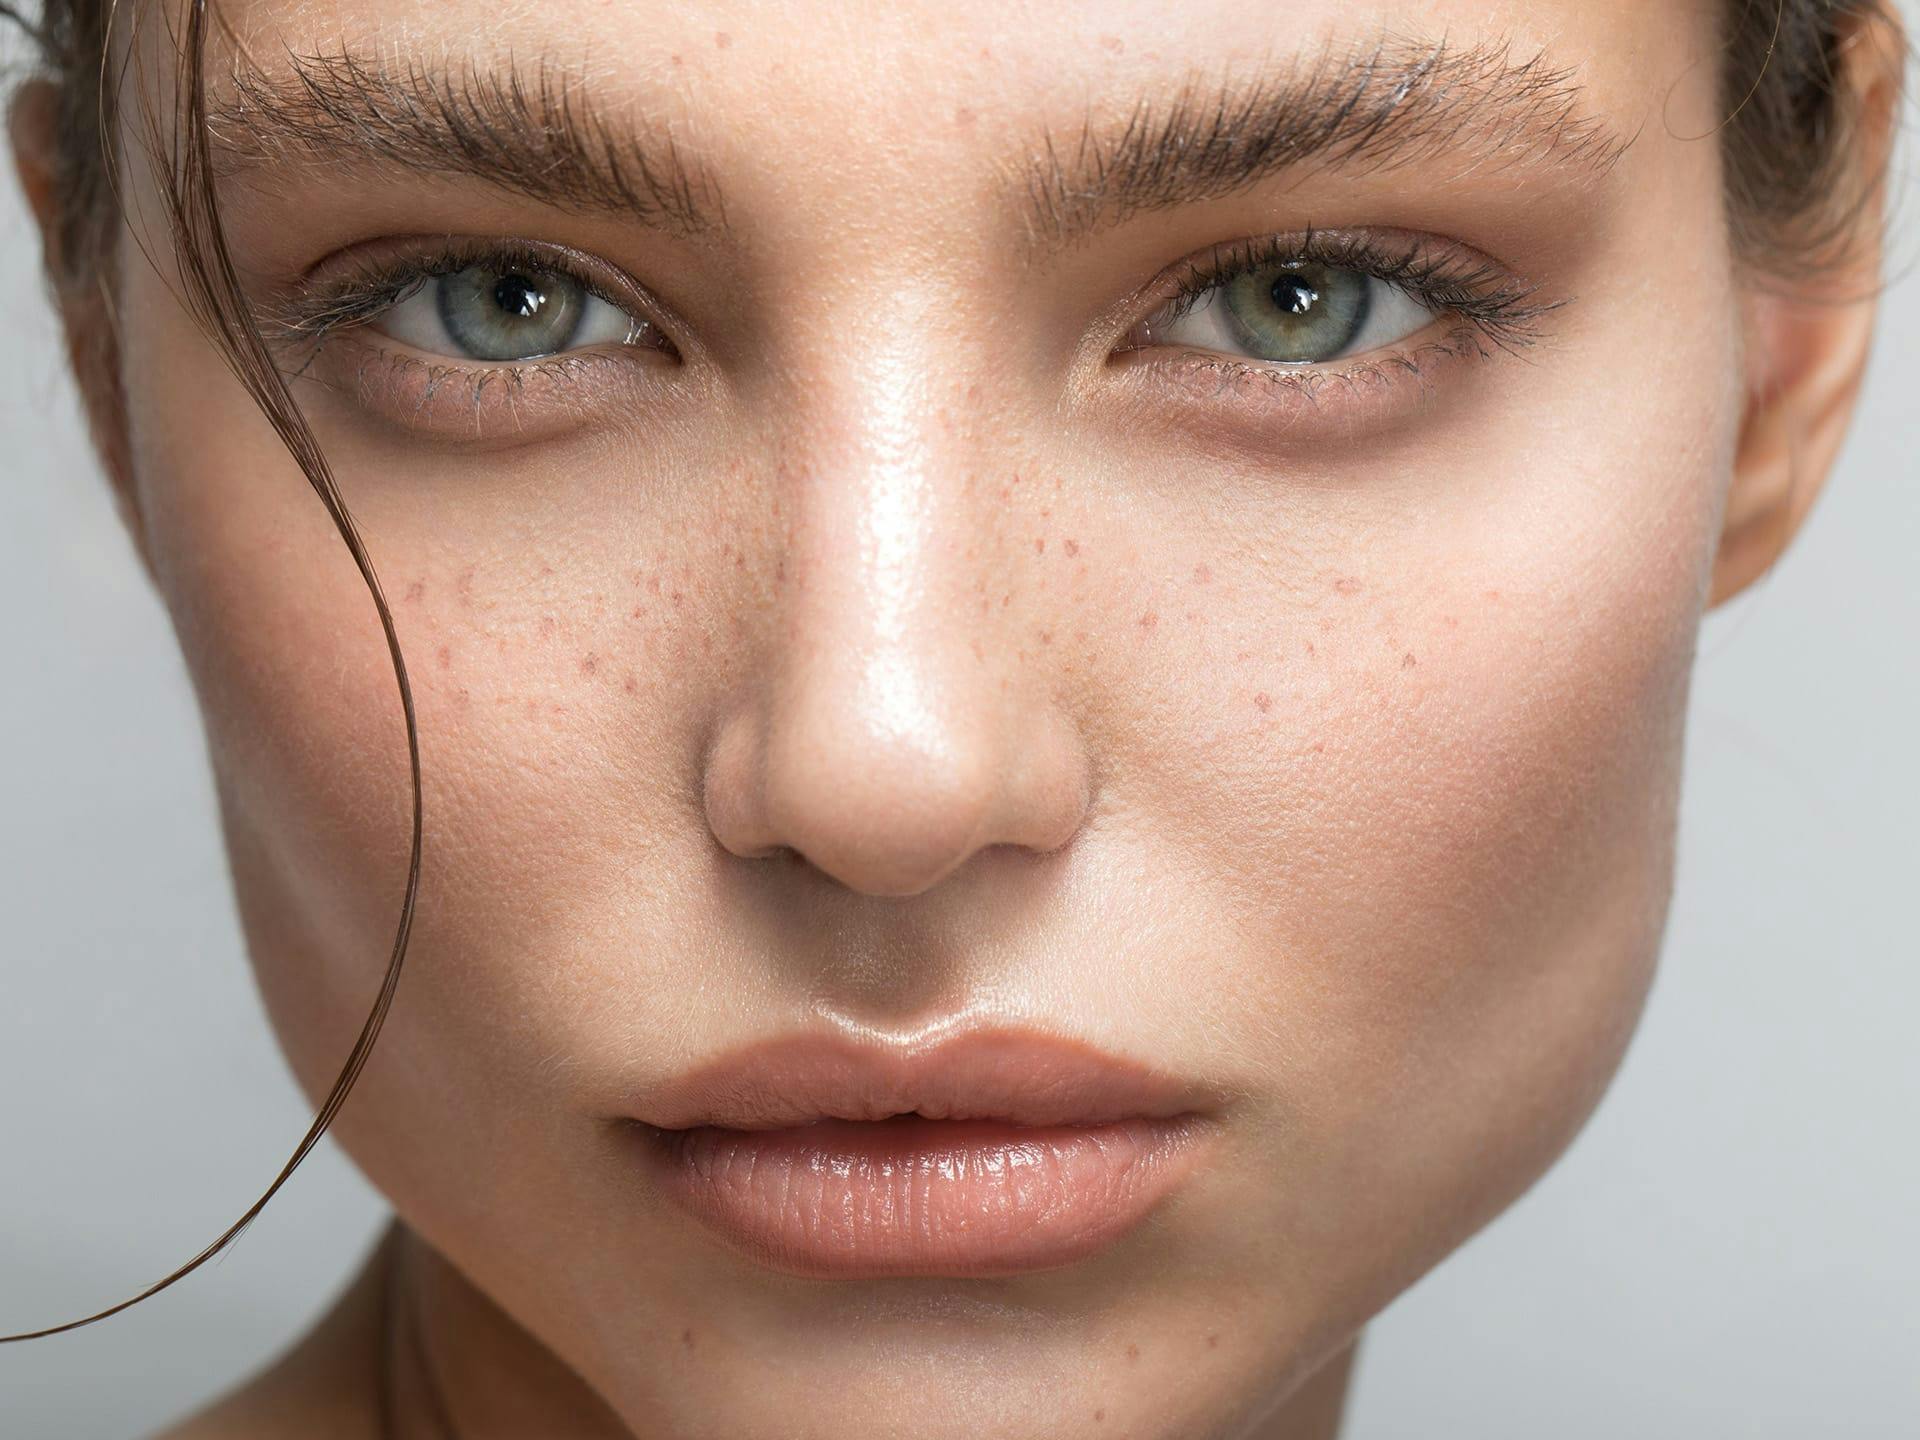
x,y
1493,306
370,286
1496,303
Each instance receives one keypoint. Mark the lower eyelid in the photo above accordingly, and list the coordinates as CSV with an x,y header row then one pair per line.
x,y
440,395
1223,392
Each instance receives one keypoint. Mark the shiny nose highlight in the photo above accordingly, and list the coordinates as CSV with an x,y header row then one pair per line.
x,y
889,783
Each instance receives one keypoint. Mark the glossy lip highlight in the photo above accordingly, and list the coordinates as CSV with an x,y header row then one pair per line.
x,y
993,1153
850,1199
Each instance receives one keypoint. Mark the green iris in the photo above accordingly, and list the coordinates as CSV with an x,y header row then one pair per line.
x,y
1298,312
514,314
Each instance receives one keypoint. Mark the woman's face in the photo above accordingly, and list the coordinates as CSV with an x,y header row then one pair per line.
x,y
894,615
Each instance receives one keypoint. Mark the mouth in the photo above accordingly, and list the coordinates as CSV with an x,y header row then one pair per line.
x,y
994,1153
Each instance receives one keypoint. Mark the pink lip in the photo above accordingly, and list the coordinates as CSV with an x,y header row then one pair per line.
x,y
1024,1077
992,1153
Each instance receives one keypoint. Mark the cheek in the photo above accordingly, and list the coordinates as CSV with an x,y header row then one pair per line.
x,y
307,736
1432,791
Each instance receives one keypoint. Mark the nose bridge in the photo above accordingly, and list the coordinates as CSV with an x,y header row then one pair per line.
x,y
889,741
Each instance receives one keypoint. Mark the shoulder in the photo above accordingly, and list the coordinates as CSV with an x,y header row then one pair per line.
x,y
322,1388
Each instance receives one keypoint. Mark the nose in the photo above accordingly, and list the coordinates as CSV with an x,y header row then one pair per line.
x,y
892,731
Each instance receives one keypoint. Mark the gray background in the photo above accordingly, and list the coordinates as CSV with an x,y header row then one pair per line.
x,y
1730,1249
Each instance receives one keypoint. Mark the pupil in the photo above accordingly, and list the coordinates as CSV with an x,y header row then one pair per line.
x,y
518,296
1294,295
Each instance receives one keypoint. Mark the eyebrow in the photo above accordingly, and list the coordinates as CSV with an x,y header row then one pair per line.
x,y
535,132
1392,105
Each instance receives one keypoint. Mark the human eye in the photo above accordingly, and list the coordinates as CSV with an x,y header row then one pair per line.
x,y
504,311
431,330
1301,310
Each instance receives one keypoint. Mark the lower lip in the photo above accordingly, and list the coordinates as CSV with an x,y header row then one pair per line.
x,y
910,1196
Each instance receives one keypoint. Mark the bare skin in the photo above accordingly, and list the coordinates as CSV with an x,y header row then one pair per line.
x,y
329,1385
920,609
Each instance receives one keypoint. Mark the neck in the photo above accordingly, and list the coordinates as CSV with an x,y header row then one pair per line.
x,y
458,1368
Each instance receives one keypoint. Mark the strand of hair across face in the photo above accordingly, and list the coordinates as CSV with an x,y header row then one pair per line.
x,y
215,297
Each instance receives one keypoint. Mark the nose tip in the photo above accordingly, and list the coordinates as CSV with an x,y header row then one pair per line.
x,y
888,789
878,794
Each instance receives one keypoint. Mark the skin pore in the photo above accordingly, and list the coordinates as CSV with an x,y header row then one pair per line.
x,y
908,617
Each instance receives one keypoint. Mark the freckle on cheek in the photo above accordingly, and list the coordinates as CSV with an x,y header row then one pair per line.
x,y
1073,546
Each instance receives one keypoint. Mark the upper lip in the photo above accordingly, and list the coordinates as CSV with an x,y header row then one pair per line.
x,y
1022,1077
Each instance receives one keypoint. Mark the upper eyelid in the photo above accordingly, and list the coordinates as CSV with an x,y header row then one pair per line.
x,y
1361,251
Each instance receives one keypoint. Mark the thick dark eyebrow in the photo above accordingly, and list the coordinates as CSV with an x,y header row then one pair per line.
x,y
1391,105
533,131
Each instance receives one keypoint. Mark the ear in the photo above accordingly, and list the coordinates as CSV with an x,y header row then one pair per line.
x,y
82,291
1808,338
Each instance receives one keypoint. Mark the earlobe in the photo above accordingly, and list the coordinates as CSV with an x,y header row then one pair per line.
x,y
81,292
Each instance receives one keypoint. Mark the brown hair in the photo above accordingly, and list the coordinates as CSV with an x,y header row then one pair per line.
x,y
1799,191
